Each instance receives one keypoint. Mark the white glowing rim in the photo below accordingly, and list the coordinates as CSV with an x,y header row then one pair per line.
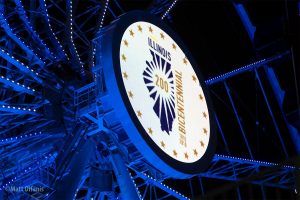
x,y
134,52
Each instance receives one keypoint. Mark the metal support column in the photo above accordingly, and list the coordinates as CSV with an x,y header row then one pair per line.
x,y
128,190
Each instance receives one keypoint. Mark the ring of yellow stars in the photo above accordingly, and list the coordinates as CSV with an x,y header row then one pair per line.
x,y
188,148
195,152
185,61
130,94
140,28
174,46
150,29
204,114
194,78
202,143
175,153
200,96
139,113
186,155
123,57
125,75
150,130
131,33
126,43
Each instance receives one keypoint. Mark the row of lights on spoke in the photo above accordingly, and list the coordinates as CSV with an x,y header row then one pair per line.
x,y
22,40
71,33
20,62
255,161
48,20
21,137
153,179
19,108
37,35
250,66
169,9
22,85
137,190
101,24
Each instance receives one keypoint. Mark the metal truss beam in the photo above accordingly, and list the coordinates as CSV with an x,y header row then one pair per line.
x,y
17,86
17,110
246,68
50,33
158,183
252,171
69,37
23,68
31,31
32,56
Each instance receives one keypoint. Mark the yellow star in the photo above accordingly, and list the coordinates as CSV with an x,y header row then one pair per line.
x,y
140,28
174,46
130,94
194,78
162,36
184,61
131,33
150,29
205,131
126,43
202,143
186,155
201,97
125,75
162,144
195,152
204,114
139,113
123,57
150,130
175,153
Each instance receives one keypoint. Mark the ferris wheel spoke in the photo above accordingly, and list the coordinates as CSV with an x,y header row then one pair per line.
x,y
50,33
100,22
9,32
18,87
23,68
169,9
20,43
69,34
34,35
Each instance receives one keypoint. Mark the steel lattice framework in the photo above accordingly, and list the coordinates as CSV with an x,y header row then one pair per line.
x,y
49,121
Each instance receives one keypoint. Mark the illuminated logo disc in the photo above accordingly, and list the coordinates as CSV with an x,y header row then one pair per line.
x,y
164,91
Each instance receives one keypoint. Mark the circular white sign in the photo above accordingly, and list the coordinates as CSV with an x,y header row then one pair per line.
x,y
164,91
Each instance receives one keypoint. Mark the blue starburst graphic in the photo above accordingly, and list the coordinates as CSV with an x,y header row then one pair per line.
x,y
164,100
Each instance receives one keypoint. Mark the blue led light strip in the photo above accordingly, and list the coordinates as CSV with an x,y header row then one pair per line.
x,y
6,26
18,109
245,68
13,139
49,158
101,24
34,34
161,185
169,9
17,86
43,6
250,161
21,66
